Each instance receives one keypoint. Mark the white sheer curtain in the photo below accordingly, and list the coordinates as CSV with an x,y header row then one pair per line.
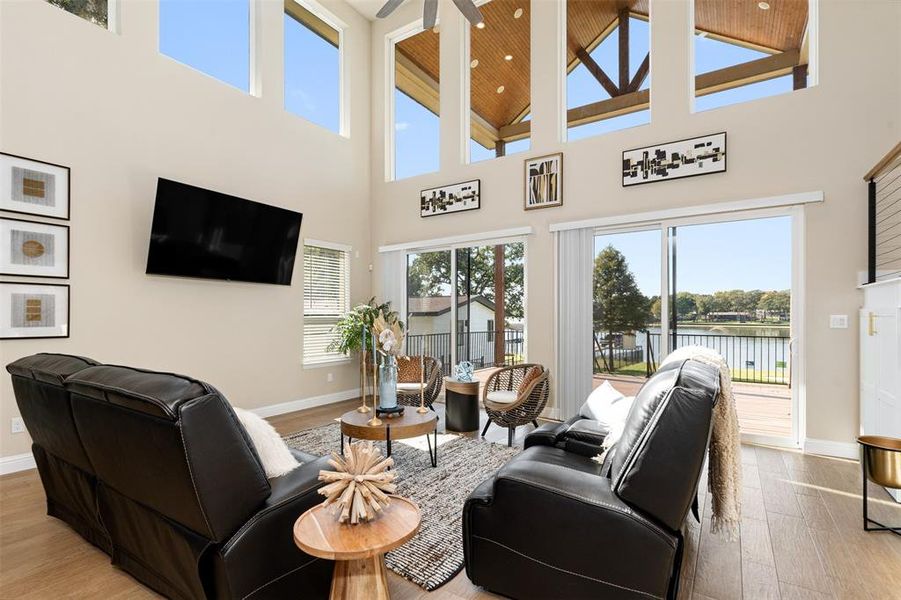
x,y
575,251
393,280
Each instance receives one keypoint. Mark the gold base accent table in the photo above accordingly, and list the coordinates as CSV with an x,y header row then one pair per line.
x,y
411,424
358,550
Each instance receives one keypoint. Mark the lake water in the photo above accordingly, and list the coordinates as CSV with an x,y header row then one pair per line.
x,y
759,354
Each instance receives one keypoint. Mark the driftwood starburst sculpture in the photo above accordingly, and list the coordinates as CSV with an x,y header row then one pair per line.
x,y
360,484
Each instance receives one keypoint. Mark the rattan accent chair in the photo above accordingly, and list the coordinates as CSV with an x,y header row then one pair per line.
x,y
408,391
509,404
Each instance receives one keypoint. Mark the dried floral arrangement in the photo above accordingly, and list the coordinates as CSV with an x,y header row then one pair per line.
x,y
360,484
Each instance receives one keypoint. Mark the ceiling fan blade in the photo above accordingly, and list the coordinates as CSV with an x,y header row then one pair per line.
x,y
389,7
429,13
470,11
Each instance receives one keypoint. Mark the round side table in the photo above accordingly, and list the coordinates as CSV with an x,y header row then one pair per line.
x,y
358,550
461,405
411,424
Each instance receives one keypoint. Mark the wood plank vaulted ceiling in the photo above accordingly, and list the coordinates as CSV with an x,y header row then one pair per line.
x,y
778,29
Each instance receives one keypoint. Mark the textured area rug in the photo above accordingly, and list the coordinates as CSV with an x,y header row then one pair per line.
x,y
435,554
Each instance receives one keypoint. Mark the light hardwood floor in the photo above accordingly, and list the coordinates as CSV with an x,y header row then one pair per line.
x,y
800,537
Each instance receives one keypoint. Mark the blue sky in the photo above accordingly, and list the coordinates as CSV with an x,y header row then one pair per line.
x,y
216,42
754,254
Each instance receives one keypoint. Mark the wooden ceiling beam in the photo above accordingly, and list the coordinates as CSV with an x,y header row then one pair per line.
x,y
761,69
634,101
597,72
641,74
312,22
623,18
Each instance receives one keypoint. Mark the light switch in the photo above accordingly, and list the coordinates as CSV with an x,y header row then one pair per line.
x,y
838,321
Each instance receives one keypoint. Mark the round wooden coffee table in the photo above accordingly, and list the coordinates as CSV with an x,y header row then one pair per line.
x,y
358,550
355,425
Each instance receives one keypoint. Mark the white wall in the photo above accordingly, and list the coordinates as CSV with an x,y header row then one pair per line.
x,y
822,138
120,115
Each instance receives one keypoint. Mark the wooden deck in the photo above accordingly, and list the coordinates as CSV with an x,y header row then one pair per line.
x,y
762,409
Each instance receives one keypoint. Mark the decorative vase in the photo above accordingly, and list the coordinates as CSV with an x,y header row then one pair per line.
x,y
388,383
464,371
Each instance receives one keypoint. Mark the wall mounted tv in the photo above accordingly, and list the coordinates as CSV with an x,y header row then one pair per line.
x,y
201,233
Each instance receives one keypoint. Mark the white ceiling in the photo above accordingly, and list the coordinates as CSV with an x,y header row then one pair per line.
x,y
367,8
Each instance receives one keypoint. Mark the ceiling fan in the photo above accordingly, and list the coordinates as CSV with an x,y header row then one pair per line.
x,y
430,11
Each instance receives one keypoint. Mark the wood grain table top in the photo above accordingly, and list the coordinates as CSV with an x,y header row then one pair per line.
x,y
410,424
318,533
470,388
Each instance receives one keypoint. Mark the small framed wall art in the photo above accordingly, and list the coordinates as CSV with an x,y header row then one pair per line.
x,y
33,187
33,311
675,160
457,197
544,181
31,249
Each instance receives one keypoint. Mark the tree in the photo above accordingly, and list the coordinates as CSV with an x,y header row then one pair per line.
x,y
656,308
429,275
704,303
94,11
776,302
619,306
685,304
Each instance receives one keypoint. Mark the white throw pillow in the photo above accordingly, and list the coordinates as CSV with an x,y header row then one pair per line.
x,y
271,448
605,405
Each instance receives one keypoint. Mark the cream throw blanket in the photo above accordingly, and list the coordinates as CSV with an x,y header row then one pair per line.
x,y
724,453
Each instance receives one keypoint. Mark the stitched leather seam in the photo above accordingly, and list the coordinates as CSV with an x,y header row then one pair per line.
x,y
111,388
568,572
184,444
260,515
596,502
283,575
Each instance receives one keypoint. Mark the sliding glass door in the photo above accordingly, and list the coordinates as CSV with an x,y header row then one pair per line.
x,y
729,286
467,303
730,291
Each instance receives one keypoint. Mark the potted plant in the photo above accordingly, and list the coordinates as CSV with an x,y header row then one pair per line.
x,y
355,328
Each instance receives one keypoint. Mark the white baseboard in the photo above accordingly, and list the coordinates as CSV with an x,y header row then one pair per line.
x,y
17,462
830,448
303,403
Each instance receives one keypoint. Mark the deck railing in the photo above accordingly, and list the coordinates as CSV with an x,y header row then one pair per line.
x,y
752,359
478,347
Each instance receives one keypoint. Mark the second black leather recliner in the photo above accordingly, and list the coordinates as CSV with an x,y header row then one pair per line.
x,y
555,524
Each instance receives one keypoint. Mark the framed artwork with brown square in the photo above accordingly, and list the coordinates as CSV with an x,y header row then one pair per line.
x,y
29,311
32,249
544,181
32,187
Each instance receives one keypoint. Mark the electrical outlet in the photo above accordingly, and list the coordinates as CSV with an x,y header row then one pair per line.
x,y
838,321
17,425
330,377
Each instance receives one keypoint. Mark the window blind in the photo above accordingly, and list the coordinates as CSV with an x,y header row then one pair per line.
x,y
326,298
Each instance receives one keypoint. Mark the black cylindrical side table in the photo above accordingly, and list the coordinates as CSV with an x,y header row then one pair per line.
x,y
461,405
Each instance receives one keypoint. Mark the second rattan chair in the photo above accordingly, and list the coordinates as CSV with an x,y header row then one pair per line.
x,y
408,380
515,396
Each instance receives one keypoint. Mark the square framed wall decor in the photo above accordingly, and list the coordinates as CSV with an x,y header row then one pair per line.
x,y
29,311
33,187
32,249
544,181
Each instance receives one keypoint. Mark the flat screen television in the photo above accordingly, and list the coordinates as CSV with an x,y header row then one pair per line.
x,y
202,233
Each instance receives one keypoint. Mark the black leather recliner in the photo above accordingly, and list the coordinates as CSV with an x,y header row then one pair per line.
x,y
155,469
555,524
